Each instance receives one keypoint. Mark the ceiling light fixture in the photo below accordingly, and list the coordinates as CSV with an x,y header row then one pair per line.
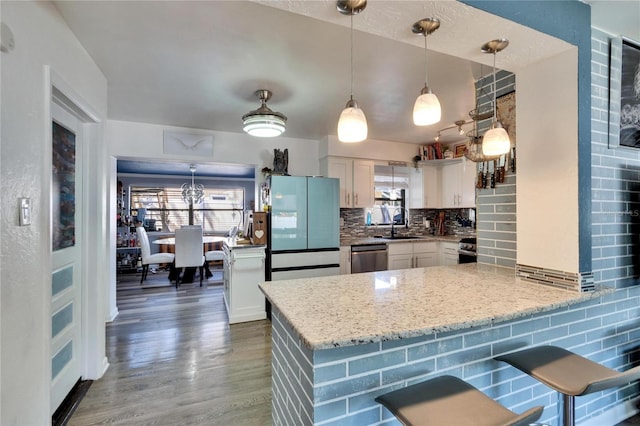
x,y
459,123
192,194
496,140
352,125
263,122
437,137
426,109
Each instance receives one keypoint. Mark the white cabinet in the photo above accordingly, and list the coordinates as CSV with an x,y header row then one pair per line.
x,y
448,253
431,185
458,185
345,260
243,271
412,255
356,180
425,254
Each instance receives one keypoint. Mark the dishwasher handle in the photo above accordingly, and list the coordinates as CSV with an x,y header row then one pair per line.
x,y
369,247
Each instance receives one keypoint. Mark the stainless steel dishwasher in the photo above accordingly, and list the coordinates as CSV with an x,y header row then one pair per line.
x,y
368,257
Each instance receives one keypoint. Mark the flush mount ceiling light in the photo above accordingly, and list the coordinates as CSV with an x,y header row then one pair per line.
x,y
352,125
496,140
263,122
426,109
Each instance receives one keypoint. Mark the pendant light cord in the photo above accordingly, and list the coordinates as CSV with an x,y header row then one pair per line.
x,y
426,79
351,56
495,89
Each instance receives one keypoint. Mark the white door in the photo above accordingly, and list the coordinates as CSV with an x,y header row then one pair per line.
x,y
66,254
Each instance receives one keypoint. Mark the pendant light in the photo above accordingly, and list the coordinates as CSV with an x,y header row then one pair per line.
x,y
352,125
496,140
426,109
263,122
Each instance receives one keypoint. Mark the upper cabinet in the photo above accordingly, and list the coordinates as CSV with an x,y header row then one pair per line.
x,y
458,185
356,180
449,185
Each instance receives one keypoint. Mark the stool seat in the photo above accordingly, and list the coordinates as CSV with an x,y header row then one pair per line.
x,y
568,373
448,400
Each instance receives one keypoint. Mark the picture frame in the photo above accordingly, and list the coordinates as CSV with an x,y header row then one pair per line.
x,y
506,114
181,143
459,150
624,95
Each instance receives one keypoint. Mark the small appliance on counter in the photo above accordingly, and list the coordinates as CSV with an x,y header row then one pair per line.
x,y
467,250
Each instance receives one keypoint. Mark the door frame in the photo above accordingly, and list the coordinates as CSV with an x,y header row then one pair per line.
x,y
94,255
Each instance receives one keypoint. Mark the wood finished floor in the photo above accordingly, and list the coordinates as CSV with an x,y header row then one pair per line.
x,y
174,360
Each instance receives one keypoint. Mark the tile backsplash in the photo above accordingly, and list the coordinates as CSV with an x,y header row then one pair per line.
x,y
353,223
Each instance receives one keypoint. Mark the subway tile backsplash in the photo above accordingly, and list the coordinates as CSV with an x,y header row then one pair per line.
x,y
353,223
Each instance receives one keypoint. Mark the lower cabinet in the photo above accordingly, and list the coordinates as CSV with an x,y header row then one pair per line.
x,y
412,255
243,270
448,253
345,260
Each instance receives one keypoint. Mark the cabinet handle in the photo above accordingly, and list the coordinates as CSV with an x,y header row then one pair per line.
x,y
348,196
355,196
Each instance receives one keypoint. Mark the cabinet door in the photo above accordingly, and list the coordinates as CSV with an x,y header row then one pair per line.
x,y
363,190
450,186
342,169
424,260
400,261
468,184
431,184
448,253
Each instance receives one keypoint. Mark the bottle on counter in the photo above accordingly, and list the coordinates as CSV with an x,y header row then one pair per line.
x,y
368,220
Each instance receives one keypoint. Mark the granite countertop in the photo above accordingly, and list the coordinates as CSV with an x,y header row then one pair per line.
x,y
346,310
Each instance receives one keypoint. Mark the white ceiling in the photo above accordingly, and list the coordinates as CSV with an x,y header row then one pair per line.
x,y
197,63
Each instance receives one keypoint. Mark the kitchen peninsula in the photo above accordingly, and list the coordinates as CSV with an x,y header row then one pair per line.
x,y
340,341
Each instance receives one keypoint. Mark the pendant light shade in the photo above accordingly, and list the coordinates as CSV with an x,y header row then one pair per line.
x,y
263,122
496,140
426,109
352,124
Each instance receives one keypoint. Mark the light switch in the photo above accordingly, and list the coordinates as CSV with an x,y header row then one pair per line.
x,y
25,211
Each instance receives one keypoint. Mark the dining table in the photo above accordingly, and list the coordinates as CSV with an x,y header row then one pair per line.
x,y
209,242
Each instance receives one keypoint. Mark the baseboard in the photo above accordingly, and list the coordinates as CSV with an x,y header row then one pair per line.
x,y
615,415
105,365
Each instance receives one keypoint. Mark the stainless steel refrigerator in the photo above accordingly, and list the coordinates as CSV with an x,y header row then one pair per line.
x,y
303,227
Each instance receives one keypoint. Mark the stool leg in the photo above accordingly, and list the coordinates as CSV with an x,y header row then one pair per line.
x,y
567,409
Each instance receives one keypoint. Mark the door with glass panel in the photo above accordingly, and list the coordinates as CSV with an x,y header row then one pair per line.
x,y
66,254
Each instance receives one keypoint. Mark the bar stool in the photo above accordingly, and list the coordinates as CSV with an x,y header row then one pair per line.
x,y
568,373
447,400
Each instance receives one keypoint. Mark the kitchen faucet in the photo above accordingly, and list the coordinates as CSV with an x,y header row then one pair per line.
x,y
393,221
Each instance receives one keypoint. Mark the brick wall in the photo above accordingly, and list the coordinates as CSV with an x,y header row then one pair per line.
x,y
496,208
615,183
604,329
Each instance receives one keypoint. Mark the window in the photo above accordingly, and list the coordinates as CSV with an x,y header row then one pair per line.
x,y
163,209
391,188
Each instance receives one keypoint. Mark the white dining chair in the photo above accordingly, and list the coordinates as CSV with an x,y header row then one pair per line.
x,y
145,253
189,250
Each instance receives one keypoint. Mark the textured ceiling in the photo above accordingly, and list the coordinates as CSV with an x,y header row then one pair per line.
x,y
197,64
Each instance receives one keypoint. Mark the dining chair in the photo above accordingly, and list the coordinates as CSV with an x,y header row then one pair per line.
x,y
145,253
189,250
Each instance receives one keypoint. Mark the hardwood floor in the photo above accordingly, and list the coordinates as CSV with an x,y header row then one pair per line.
x,y
174,360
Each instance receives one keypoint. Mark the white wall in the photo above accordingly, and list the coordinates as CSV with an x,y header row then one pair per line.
x,y
41,38
547,163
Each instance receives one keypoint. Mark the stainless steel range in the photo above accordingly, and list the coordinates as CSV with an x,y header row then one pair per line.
x,y
467,250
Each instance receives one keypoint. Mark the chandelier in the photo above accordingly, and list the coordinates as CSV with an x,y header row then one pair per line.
x,y
192,193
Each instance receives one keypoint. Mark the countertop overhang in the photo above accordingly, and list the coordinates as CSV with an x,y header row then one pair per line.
x,y
346,310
